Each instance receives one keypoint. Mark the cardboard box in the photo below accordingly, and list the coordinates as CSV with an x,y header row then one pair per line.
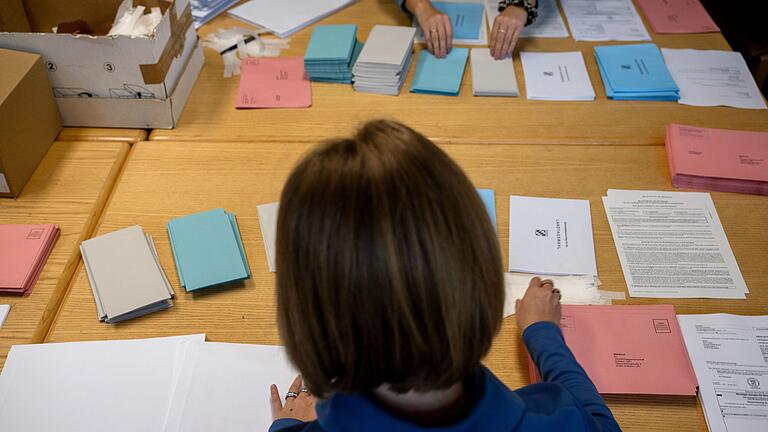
x,y
29,120
87,68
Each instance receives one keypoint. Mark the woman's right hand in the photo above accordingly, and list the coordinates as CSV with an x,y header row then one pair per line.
x,y
436,26
541,302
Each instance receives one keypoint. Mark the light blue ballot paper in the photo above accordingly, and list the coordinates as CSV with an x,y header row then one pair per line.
x,y
489,200
440,76
635,72
466,18
208,249
331,43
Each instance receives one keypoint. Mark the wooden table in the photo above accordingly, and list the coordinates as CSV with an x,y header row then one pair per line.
x,y
69,188
129,136
210,114
239,176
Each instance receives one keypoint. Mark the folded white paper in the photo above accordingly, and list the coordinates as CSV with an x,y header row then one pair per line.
x,y
556,76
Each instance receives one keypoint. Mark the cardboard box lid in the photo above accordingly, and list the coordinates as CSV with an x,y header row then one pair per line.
x,y
15,65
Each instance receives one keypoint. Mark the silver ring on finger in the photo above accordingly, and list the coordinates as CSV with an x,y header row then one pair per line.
x,y
305,390
502,30
291,395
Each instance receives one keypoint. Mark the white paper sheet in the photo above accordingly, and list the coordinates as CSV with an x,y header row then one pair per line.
x,y
557,76
549,24
491,77
228,388
729,354
672,245
604,20
581,289
4,310
551,236
286,17
120,386
713,78
268,224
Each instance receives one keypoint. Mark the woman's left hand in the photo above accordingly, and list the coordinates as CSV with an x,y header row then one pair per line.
x,y
506,30
300,407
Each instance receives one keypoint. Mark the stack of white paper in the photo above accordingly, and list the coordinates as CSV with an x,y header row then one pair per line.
x,y
125,275
285,17
729,358
558,76
712,78
491,77
604,20
165,384
384,61
268,225
672,245
576,289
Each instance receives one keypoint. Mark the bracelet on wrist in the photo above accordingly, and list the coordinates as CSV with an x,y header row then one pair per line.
x,y
530,9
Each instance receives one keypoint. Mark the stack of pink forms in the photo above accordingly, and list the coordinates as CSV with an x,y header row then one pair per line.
x,y
718,159
24,249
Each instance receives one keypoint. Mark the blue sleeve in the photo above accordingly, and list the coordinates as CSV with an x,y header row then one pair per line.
x,y
285,423
557,364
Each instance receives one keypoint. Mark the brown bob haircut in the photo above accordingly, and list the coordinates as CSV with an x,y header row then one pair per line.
x,y
388,267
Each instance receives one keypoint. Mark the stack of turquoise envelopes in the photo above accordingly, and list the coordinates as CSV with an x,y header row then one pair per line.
x,y
332,52
440,76
635,72
208,249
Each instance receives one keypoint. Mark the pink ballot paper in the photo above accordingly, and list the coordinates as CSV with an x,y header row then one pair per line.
x,y
677,16
628,349
24,249
274,83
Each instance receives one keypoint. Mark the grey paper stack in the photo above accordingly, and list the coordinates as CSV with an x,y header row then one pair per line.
x,y
384,61
491,77
125,275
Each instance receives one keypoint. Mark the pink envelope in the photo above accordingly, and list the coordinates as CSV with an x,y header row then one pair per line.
x,y
24,250
719,153
628,349
677,16
274,83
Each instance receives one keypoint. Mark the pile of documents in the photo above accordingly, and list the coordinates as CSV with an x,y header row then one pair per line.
x,y
467,22
672,245
677,16
713,78
604,20
208,249
125,275
384,60
176,384
556,76
718,159
729,357
206,10
274,83
24,250
286,17
635,72
628,349
440,76
332,52
491,77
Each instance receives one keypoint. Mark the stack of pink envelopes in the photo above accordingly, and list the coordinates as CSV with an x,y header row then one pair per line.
x,y
24,249
718,159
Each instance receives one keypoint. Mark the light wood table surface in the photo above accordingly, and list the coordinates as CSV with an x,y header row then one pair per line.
x,y
69,188
240,176
210,113
129,136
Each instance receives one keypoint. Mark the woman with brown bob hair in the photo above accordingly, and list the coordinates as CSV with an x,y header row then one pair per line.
x,y
390,291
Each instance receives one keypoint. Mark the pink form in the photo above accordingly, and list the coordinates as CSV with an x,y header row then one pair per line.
x,y
628,349
274,83
677,16
24,250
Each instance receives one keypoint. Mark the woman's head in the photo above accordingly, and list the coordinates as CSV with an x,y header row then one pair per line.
x,y
388,268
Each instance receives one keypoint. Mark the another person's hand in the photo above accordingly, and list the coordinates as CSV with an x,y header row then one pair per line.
x,y
436,26
506,31
299,404
541,302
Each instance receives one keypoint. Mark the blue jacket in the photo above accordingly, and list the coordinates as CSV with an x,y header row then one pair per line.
x,y
566,400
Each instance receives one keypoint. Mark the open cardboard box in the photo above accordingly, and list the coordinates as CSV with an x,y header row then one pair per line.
x,y
92,73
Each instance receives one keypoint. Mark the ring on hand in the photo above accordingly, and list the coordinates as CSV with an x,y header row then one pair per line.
x,y
305,390
433,30
290,395
502,30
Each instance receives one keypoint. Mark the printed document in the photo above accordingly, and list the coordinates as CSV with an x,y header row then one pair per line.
x,y
549,24
551,236
556,76
672,245
713,78
730,357
604,20
467,22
